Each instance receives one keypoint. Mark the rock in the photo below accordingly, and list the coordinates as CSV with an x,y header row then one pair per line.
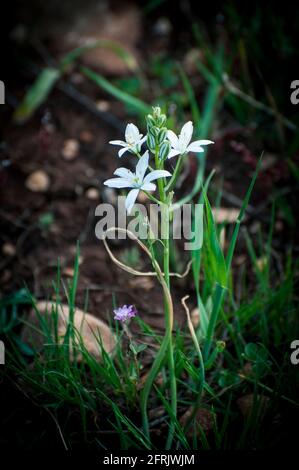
x,y
142,198
8,249
163,26
225,215
90,328
92,193
68,271
98,22
109,195
86,136
103,105
38,181
145,283
70,149
204,418
240,259
190,61
246,403
5,276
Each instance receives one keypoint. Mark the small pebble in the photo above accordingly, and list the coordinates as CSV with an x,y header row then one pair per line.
x,y
103,105
38,181
8,249
86,136
70,149
92,193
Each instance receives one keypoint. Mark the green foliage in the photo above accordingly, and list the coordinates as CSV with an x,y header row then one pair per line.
x,y
36,94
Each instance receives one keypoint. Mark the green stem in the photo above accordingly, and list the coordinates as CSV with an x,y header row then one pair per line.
x,y
166,348
175,175
153,198
159,166
158,362
217,304
169,322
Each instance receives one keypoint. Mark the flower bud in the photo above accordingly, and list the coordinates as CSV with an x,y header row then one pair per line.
x,y
150,121
220,346
158,117
161,120
164,150
162,135
151,142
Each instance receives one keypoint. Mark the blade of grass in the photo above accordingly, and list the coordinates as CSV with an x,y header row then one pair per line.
x,y
140,106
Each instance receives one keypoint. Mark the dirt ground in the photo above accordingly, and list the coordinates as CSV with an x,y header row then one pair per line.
x,y
42,216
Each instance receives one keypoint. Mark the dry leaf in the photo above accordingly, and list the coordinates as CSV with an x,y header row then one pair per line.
x,y
268,161
195,317
222,239
261,263
68,272
89,327
38,181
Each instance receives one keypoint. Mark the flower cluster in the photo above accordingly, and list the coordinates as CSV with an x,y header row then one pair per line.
x,y
124,313
162,143
136,180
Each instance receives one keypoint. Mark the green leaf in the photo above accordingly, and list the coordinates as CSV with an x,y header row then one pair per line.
x,y
234,237
215,262
36,95
191,97
228,378
137,348
255,352
138,105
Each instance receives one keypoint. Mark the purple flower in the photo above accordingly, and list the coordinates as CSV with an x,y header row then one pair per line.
x,y
125,312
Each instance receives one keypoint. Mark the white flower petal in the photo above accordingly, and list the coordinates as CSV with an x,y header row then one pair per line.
x,y
154,175
173,139
124,173
118,142
118,183
132,133
197,145
142,166
141,141
194,148
122,151
148,187
173,153
186,135
131,198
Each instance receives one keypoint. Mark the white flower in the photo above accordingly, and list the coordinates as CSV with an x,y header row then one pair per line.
x,y
133,142
136,180
181,144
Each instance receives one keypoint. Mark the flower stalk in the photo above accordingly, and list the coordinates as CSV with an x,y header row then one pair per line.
x,y
163,144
